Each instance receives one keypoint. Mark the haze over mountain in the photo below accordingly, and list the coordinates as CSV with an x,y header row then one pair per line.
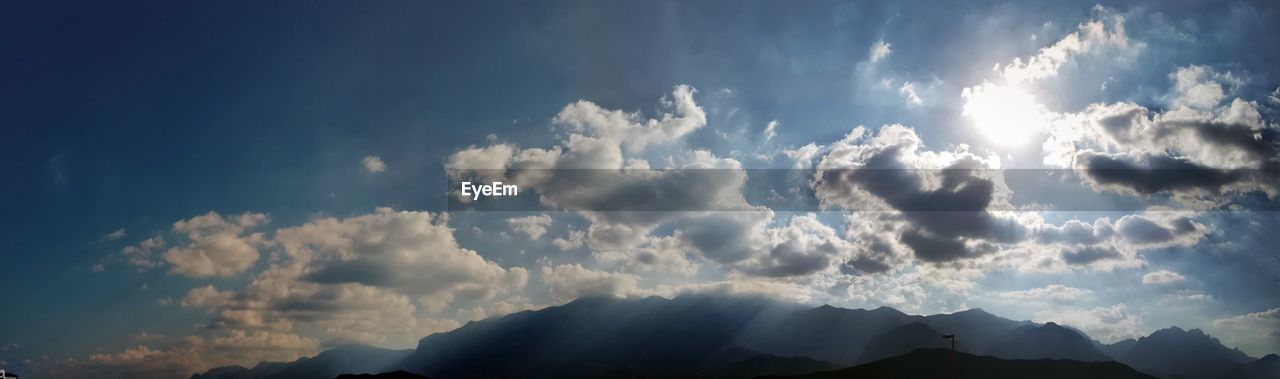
x,y
701,336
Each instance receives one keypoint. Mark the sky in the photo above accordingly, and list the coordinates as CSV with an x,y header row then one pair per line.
x,y
192,185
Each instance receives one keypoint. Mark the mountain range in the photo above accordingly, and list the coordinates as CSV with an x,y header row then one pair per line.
x,y
721,337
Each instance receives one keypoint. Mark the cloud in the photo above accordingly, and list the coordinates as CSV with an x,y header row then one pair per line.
x,y
572,241
1106,244
532,226
216,246
1105,30
943,199
879,50
572,281
141,255
1106,324
188,355
385,278
118,234
771,130
908,91
1255,331
373,164
1204,149
1162,277
1053,292
803,156
658,255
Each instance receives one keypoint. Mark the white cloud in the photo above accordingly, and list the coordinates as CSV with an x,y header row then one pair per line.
x,y
571,281
373,163
908,91
1162,277
572,241
771,130
1104,30
1053,292
803,156
879,50
385,278
533,226
118,234
216,246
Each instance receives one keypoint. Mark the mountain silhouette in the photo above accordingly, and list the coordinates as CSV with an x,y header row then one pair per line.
x,y
329,363
722,337
595,337
978,330
943,363
398,374
1118,349
1183,353
904,339
1265,367
1048,341
828,333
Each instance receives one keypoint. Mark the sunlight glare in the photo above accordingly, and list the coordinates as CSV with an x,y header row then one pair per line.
x,y
1006,115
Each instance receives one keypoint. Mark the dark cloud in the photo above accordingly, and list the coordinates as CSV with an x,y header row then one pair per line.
x,y
1089,254
945,201
1149,174
1142,230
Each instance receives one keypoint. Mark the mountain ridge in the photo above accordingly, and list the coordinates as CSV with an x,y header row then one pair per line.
x,y
707,336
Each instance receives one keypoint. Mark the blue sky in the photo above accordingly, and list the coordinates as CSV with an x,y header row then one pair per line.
x,y
120,124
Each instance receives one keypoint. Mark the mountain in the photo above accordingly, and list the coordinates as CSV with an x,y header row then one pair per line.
x,y
975,328
1048,341
1119,349
1265,367
327,364
595,337
828,333
903,339
719,337
943,363
398,374
1184,353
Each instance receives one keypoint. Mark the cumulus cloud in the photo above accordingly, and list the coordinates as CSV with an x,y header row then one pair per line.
x,y
1162,277
571,281
216,246
571,241
944,199
608,142
1203,149
533,226
1108,245
385,278
803,155
373,164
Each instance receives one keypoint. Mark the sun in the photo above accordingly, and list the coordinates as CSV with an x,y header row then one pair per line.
x,y
1006,115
